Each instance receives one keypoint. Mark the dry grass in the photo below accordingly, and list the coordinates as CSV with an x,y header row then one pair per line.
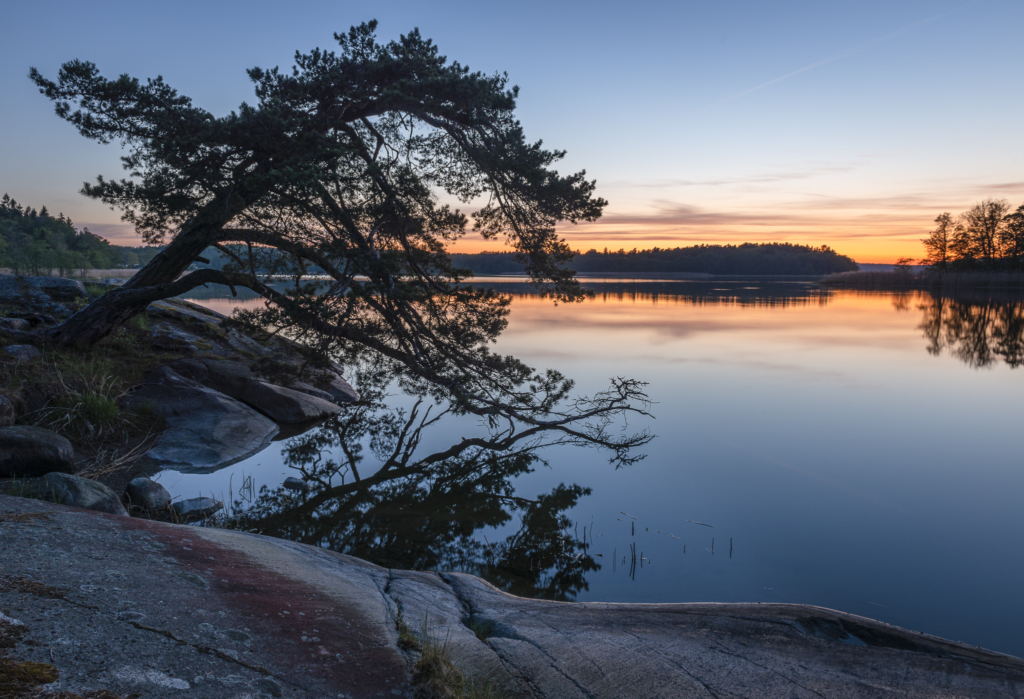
x,y
435,675
927,279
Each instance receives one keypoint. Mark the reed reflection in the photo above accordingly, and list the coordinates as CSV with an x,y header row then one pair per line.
x,y
980,329
749,293
375,496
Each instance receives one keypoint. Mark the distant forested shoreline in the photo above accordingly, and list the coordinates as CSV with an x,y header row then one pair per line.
x,y
34,242
748,258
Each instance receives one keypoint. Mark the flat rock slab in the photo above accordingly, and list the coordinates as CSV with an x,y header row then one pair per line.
x,y
134,606
206,430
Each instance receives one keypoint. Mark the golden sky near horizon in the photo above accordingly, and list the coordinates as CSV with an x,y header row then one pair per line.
x,y
851,125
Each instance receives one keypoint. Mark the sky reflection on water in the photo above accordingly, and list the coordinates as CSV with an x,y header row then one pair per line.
x,y
851,467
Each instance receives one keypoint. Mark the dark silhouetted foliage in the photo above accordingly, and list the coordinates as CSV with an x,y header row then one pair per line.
x,y
748,258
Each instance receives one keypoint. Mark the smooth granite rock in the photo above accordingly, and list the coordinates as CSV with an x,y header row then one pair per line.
x,y
132,606
73,491
22,353
340,389
185,311
206,430
168,337
147,494
29,452
197,508
227,376
190,368
286,406
303,387
7,412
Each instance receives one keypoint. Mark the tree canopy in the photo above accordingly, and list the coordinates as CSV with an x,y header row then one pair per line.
x,y
747,258
35,242
987,236
351,162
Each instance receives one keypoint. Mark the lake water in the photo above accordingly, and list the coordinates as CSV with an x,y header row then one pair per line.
x,y
858,451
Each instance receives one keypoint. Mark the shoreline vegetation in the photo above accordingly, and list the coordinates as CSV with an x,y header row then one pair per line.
x,y
926,280
745,259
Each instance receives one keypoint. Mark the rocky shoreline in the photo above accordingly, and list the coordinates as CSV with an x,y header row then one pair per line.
x,y
215,394
98,603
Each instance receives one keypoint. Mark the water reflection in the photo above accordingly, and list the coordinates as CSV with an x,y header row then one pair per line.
x,y
979,330
427,512
753,293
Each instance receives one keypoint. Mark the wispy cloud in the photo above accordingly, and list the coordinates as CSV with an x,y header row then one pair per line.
x,y
853,51
761,178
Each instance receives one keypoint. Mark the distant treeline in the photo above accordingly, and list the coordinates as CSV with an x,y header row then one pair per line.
x,y
34,242
748,258
985,237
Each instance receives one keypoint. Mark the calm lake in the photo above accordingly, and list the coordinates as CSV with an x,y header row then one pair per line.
x,y
858,451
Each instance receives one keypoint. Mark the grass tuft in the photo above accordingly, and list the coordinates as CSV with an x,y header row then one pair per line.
x,y
435,675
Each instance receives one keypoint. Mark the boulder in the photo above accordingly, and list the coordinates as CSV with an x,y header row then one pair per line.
x,y
186,312
296,484
30,452
286,406
167,337
190,369
23,353
71,490
206,430
227,376
7,413
147,494
197,508
34,318
15,324
341,390
40,290
245,345
303,387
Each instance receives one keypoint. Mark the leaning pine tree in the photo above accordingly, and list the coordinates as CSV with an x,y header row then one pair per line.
x,y
339,167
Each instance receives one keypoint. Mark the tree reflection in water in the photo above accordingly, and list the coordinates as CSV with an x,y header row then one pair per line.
x,y
426,512
979,330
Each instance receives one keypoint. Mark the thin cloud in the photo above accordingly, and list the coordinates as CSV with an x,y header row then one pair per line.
x,y
764,178
848,52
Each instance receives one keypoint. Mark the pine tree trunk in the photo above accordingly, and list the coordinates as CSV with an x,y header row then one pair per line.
x,y
106,313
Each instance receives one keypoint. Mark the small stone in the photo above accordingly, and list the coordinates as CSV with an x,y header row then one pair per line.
x,y
148,494
197,508
29,452
7,414
73,491
296,484
15,324
23,353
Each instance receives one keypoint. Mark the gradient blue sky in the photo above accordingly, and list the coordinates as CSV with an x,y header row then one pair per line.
x,y
846,123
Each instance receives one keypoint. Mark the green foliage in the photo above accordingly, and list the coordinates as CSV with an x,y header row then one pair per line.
x,y
436,675
34,242
748,258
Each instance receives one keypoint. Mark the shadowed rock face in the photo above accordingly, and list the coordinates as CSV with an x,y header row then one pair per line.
x,y
29,452
78,492
157,609
206,430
